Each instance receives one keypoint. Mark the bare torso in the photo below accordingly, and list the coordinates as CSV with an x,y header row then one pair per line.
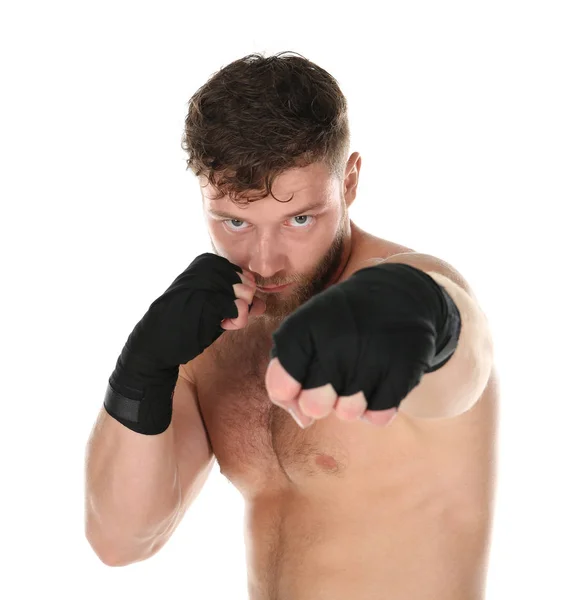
x,y
350,510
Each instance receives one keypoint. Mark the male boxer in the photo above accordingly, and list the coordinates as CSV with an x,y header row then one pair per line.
x,y
297,311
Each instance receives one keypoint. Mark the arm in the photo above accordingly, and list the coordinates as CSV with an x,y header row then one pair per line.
x,y
454,388
149,451
138,487
132,491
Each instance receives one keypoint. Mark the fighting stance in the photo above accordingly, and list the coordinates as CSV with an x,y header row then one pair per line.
x,y
344,383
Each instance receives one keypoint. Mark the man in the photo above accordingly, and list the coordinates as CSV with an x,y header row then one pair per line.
x,y
380,354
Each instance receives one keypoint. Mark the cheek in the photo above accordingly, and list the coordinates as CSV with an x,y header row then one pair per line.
x,y
219,235
223,244
305,257
326,234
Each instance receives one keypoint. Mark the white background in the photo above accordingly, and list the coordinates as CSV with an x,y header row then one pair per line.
x,y
465,116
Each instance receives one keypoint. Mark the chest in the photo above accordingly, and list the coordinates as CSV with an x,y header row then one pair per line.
x,y
256,443
259,448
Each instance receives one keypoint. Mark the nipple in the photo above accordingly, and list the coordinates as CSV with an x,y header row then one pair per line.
x,y
325,462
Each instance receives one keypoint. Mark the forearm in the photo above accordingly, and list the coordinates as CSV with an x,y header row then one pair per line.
x,y
132,490
456,386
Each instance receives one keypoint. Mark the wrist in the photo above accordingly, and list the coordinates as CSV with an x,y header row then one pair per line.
x,y
448,329
139,396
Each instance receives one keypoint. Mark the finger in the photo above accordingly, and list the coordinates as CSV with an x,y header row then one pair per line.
x,y
295,412
240,321
244,292
248,275
283,391
380,417
248,279
318,402
281,387
349,408
258,307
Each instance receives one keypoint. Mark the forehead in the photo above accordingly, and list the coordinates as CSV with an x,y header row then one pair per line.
x,y
314,177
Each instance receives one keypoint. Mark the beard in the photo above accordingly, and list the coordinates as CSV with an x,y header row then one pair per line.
x,y
278,307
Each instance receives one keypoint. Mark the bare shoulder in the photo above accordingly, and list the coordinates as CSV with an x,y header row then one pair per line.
x,y
366,248
375,251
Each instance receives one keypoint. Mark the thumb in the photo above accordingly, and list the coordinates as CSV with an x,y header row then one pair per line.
x,y
258,307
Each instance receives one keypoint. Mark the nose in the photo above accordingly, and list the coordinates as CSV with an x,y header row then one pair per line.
x,y
266,259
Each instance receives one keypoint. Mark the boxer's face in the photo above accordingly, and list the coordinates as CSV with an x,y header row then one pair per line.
x,y
303,242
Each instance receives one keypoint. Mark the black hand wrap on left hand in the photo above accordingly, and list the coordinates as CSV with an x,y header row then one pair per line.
x,y
377,332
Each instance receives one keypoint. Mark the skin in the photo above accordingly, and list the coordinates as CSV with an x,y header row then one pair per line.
x,y
308,251
339,510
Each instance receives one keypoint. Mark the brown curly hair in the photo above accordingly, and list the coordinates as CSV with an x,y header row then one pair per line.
x,y
258,117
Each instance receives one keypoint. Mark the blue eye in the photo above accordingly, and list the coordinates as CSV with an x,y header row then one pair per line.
x,y
234,221
302,217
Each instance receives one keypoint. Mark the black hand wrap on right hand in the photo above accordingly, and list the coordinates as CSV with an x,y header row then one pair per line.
x,y
178,326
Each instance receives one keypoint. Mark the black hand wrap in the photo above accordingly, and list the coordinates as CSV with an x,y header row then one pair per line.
x,y
178,326
377,332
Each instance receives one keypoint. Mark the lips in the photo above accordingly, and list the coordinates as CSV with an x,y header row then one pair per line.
x,y
272,288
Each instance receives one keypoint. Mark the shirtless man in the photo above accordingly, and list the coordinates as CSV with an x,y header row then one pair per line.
x,y
397,506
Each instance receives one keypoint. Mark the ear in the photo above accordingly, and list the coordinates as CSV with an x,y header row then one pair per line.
x,y
351,179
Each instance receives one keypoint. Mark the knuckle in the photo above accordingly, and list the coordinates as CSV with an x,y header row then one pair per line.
x,y
247,280
243,292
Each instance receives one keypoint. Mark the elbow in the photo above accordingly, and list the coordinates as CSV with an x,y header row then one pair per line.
x,y
113,555
117,548
121,562
112,558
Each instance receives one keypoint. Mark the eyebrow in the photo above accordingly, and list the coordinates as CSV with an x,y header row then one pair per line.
x,y
301,211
